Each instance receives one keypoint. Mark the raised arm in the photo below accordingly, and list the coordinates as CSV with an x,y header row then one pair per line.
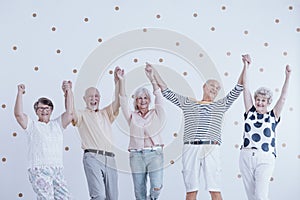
x,y
21,117
160,82
248,102
150,74
67,116
279,104
116,102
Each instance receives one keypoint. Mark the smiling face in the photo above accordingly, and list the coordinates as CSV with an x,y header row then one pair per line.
x,y
142,99
262,99
210,90
92,98
43,108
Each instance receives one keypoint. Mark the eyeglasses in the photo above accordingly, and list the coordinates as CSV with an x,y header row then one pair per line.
x,y
44,108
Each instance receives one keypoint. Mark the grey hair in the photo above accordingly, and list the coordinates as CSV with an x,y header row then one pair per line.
x,y
264,92
138,93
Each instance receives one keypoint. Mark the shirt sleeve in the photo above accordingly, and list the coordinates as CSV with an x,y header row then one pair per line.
x,y
228,100
175,98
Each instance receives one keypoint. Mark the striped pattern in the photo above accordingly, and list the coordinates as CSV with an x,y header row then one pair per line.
x,y
203,121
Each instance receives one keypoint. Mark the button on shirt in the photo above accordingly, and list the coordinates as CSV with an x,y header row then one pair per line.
x,y
95,128
149,126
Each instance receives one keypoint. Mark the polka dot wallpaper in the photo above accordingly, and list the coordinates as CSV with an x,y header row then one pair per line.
x,y
43,43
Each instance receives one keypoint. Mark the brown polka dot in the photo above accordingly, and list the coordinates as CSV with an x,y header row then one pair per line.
x,y
132,96
58,51
236,123
266,44
239,176
86,19
3,106
212,28
276,89
201,55
283,145
195,15
175,134
3,159
161,60
172,162
285,53
14,134
225,73
117,8
36,68
110,72
228,53
67,148
144,30
184,73
20,195
53,28
272,179
177,43
246,32
276,21
34,14
99,39
74,71
236,146
298,30
261,69
223,7
14,48
291,109
158,16
298,156
290,7
135,60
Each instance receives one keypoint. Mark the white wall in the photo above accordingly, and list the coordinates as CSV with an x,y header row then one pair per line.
x,y
95,36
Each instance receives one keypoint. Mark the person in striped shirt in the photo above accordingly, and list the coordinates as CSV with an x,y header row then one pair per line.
x,y
202,133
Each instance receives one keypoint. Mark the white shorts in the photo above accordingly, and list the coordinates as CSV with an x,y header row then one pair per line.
x,y
201,158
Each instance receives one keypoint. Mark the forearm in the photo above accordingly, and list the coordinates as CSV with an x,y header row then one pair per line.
x,y
18,109
160,82
116,102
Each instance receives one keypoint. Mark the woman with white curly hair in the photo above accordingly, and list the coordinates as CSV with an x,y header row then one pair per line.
x,y
258,152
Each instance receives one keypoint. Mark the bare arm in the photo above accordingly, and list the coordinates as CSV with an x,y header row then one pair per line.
x,y
248,102
160,82
116,102
279,104
21,117
67,116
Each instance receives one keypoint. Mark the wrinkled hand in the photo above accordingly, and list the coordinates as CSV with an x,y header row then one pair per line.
x,y
21,89
149,71
246,59
66,86
119,74
288,70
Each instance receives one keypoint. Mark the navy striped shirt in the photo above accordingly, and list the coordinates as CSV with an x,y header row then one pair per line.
x,y
203,121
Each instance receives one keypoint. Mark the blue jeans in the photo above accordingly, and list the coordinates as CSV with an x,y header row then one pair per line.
x,y
143,163
102,176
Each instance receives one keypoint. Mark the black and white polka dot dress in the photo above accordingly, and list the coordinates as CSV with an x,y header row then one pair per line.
x,y
259,131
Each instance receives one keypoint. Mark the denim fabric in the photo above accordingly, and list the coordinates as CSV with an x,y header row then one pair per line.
x,y
102,176
146,163
49,183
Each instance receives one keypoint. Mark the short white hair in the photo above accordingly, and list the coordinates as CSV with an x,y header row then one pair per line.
x,y
263,91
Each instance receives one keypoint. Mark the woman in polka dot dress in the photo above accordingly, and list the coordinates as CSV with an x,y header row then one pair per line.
x,y
258,152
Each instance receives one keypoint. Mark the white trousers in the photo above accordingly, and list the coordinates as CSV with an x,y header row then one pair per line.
x,y
256,169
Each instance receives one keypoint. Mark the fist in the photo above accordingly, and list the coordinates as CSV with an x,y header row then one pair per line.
x,y
21,88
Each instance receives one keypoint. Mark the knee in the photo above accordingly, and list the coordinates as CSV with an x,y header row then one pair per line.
x,y
155,192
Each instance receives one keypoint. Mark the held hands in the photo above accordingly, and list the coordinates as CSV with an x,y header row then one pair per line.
x,y
246,59
149,71
118,74
66,86
21,89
